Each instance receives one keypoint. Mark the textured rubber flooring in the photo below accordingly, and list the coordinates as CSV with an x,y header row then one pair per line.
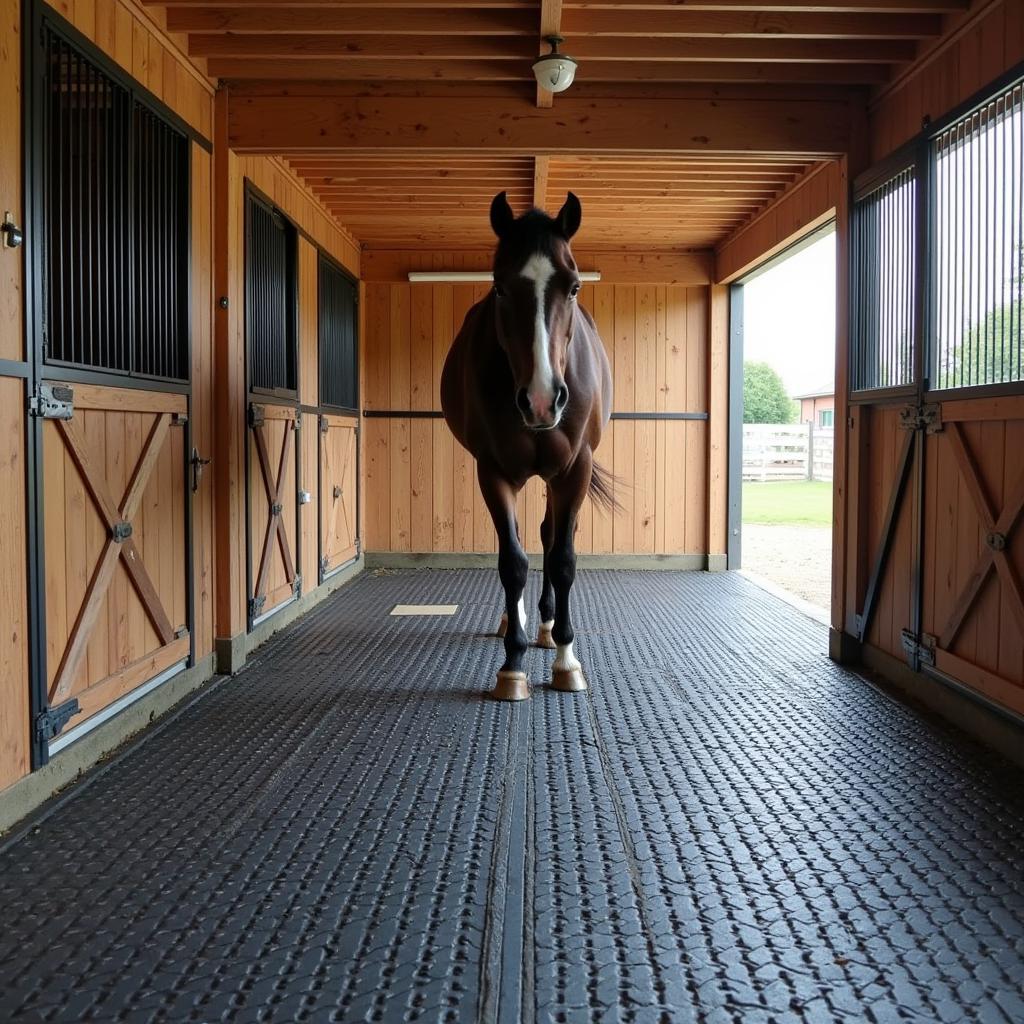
x,y
726,828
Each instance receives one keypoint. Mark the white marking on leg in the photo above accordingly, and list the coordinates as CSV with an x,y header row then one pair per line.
x,y
564,658
522,612
539,269
550,625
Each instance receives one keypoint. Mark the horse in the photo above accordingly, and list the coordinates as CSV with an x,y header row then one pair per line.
x,y
527,390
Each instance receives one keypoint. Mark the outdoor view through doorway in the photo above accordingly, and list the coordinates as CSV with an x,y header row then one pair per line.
x,y
788,419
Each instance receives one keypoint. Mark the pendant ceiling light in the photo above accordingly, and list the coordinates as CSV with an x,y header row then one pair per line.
x,y
555,71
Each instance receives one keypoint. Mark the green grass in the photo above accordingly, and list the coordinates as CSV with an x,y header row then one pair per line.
x,y
788,503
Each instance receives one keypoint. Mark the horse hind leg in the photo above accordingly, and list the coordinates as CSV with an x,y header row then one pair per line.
x,y
546,606
566,672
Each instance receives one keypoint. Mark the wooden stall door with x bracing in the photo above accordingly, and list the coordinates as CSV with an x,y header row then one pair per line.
x,y
338,489
115,544
973,555
273,561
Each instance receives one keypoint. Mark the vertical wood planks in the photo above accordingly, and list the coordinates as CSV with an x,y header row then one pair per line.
x,y
426,498
14,710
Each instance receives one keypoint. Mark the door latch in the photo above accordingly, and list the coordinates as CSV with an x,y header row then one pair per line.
x,y
13,235
198,462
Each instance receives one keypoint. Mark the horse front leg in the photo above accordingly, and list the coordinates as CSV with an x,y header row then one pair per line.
x,y
546,606
513,569
568,494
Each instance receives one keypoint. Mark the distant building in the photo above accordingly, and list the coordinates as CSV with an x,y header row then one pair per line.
x,y
818,407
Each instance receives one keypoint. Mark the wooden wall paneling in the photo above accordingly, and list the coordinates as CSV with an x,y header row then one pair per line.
x,y
443,443
645,400
377,396
14,663
421,431
400,398
338,516
804,206
624,372
229,435
988,42
202,398
584,540
695,504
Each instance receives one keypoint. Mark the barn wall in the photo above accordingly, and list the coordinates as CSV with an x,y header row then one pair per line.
x,y
275,181
971,455
14,737
806,205
421,490
983,44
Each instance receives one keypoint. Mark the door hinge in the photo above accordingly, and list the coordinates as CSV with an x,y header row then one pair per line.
x,y
50,722
324,564
53,402
256,606
297,586
197,462
256,416
920,650
325,427
179,419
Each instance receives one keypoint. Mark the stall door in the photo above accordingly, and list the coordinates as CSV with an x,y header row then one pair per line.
x,y
114,536
973,603
339,523
273,509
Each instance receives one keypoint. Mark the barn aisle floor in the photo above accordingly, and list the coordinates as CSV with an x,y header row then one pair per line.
x,y
728,827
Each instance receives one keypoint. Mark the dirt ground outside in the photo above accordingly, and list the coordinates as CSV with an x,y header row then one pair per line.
x,y
796,558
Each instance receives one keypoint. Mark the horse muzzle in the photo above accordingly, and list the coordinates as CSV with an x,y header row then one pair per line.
x,y
542,410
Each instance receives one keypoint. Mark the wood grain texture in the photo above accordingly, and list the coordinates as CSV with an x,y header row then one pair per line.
x,y
978,47
421,489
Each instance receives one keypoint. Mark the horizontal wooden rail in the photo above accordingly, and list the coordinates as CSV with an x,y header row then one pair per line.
x,y
436,414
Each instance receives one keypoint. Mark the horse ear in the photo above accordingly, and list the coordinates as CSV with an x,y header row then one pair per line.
x,y
501,214
569,216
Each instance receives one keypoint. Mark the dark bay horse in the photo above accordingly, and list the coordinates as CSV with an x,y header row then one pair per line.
x,y
527,390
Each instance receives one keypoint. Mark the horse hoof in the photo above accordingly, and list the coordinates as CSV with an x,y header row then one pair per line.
x,y
511,686
502,626
568,680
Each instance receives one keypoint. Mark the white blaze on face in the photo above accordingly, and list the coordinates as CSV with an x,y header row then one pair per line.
x,y
539,269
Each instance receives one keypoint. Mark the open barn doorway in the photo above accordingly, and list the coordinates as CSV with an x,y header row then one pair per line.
x,y
783,338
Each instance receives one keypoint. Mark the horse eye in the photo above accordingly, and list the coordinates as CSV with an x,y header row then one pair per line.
x,y
574,291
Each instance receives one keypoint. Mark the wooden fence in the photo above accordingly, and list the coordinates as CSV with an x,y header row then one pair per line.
x,y
776,451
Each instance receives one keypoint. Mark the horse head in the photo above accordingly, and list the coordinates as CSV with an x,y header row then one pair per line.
x,y
535,287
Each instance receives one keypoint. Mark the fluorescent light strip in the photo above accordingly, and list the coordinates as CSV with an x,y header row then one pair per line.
x,y
463,276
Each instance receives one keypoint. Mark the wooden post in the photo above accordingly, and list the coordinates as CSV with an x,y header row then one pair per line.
x,y
810,448
229,406
718,425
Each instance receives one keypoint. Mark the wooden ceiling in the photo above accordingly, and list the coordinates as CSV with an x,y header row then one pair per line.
x,y
484,48
405,199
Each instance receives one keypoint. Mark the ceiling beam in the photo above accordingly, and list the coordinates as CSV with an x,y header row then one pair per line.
x,y
336,18
369,49
803,128
541,166
228,8
550,25
434,71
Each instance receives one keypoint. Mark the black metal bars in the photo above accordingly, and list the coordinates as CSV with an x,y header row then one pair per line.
x,y
115,205
338,320
270,270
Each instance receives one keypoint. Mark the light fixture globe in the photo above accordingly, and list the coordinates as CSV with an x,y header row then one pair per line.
x,y
555,71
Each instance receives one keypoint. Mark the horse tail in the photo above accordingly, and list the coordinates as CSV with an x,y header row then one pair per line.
x,y
602,490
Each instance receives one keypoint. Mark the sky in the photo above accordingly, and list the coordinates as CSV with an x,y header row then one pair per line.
x,y
789,317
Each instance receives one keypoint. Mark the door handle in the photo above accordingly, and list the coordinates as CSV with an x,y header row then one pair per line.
x,y
198,462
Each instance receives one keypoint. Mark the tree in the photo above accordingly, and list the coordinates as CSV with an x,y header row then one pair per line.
x,y
764,396
990,352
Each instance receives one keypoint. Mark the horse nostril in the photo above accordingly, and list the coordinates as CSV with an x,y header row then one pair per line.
x,y
561,397
523,401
